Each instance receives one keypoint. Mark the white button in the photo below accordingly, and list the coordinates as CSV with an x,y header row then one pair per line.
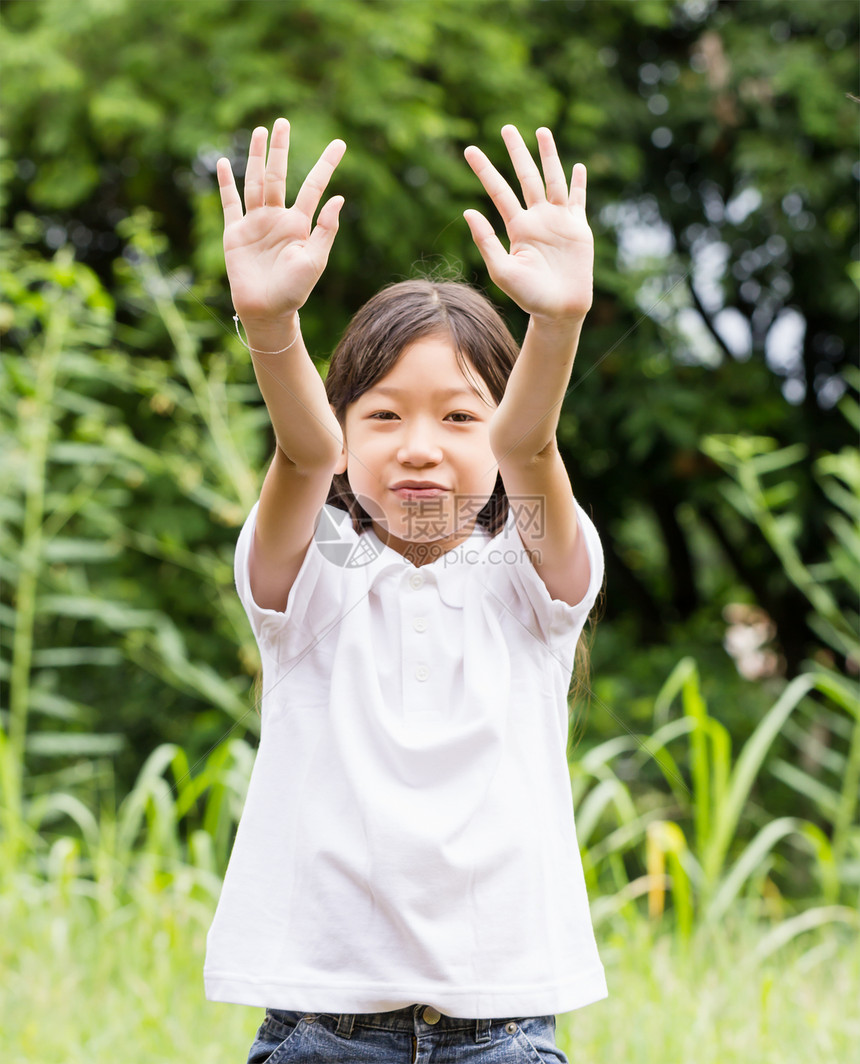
x,y
432,1015
416,580
422,672
419,624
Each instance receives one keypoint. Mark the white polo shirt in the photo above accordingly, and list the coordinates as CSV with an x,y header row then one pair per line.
x,y
408,832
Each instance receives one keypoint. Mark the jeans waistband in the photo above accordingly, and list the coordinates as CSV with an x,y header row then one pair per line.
x,y
412,1020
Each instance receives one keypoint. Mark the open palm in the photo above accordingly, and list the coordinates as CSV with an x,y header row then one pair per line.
x,y
549,268
274,254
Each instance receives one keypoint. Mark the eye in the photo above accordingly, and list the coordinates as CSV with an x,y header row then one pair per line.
x,y
460,414
383,415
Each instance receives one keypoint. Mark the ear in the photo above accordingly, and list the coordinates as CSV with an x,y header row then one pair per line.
x,y
342,461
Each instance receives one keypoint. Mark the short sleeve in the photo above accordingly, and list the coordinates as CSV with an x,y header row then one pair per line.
x,y
313,603
560,623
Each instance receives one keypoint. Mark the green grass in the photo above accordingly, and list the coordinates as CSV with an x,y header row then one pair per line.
x,y
709,1002
127,987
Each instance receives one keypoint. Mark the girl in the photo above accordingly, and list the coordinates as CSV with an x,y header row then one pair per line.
x,y
405,883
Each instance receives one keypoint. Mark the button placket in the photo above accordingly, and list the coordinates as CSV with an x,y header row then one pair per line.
x,y
416,647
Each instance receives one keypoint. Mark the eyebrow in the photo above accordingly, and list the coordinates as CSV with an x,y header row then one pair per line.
x,y
441,393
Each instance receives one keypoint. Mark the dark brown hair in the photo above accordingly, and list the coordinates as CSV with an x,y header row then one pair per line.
x,y
387,324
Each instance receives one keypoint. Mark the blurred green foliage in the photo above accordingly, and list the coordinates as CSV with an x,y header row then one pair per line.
x,y
720,140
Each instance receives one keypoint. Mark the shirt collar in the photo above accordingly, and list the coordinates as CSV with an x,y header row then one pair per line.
x,y
446,573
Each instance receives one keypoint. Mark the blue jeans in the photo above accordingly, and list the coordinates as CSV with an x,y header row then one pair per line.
x,y
414,1035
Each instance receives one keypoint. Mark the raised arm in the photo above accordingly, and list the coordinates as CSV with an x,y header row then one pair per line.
x,y
275,256
548,273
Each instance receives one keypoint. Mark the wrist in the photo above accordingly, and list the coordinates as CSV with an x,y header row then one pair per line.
x,y
574,315
557,329
270,335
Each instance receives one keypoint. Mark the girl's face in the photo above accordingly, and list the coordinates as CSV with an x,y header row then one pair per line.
x,y
417,451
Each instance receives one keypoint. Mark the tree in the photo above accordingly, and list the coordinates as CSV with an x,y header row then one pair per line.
x,y
720,142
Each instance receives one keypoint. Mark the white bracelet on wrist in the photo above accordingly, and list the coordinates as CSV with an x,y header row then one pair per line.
x,y
257,351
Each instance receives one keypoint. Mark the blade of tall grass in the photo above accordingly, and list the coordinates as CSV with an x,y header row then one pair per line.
x,y
36,439
824,797
74,744
747,864
792,928
656,747
746,769
622,839
590,812
747,459
666,844
670,690
828,869
49,807
700,766
209,399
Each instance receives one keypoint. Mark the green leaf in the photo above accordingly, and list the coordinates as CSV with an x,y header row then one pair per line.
x,y
73,744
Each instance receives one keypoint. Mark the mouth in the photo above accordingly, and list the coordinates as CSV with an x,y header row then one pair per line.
x,y
417,489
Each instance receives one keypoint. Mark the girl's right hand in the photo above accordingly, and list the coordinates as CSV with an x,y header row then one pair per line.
x,y
274,258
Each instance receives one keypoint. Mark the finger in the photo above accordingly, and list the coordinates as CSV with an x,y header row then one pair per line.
x,y
315,184
276,164
320,241
578,182
499,191
230,201
254,173
491,248
553,171
525,167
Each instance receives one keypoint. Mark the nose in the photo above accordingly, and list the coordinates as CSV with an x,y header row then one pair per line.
x,y
418,445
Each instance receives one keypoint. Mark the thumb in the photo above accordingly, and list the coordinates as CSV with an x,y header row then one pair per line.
x,y
322,236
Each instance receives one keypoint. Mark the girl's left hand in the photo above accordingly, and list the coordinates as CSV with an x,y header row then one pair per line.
x,y
548,271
